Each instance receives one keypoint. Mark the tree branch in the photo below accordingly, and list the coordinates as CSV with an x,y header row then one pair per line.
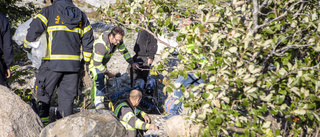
x,y
256,11
284,49
235,129
146,29
264,4
255,16
295,71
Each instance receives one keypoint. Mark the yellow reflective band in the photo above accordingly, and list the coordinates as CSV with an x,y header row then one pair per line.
x,y
86,54
127,126
127,55
138,124
50,43
42,18
119,106
65,28
86,59
86,29
62,57
101,67
147,126
127,116
137,111
143,114
97,57
108,56
122,47
25,43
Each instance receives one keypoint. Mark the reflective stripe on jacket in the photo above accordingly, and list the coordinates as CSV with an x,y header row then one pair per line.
x,y
66,32
103,51
128,117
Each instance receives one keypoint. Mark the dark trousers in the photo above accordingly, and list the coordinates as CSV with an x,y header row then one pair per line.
x,y
3,70
66,84
137,73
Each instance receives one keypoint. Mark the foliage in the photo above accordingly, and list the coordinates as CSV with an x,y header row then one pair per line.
x,y
259,60
17,14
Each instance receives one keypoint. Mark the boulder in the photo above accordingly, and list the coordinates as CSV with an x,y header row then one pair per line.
x,y
17,118
88,123
177,126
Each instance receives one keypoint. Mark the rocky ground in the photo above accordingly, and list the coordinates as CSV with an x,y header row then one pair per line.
x,y
116,64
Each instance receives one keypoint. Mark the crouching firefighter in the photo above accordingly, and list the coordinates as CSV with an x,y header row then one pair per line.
x,y
67,28
128,115
103,49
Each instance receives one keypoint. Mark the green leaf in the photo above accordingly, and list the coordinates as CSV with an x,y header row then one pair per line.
x,y
209,87
299,112
317,116
258,130
168,21
310,116
219,120
266,124
203,76
168,89
269,31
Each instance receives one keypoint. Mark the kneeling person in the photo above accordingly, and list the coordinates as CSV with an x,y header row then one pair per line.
x,y
103,49
128,115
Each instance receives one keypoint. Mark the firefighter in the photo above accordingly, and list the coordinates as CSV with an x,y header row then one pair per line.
x,y
6,49
128,115
103,49
67,28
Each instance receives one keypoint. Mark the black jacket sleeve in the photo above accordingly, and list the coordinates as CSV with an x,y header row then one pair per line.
x,y
152,46
37,26
87,40
7,41
146,45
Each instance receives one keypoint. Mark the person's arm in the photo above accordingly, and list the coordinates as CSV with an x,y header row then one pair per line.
x,y
152,47
87,41
37,27
99,52
126,55
133,120
7,45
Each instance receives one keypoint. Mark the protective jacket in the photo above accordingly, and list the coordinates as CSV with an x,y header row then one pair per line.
x,y
128,116
67,28
6,49
146,45
103,51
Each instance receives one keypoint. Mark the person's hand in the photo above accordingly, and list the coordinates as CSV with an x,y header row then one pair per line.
x,y
146,119
111,74
153,127
150,61
8,73
135,65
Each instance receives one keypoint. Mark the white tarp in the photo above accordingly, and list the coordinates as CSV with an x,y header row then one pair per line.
x,y
39,47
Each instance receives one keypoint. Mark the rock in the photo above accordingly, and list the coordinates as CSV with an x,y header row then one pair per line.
x,y
158,121
88,123
177,126
17,118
